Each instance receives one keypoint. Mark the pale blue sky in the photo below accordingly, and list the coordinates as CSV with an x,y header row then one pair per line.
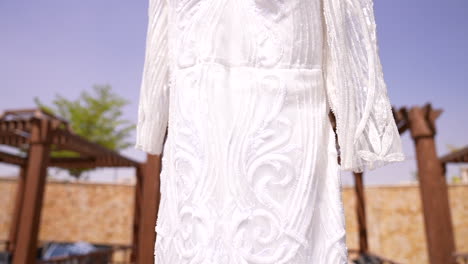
x,y
58,46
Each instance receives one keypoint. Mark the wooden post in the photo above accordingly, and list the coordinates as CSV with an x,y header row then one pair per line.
x,y
149,205
433,186
137,209
36,171
361,212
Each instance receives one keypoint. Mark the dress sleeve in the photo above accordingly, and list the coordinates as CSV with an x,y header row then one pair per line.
x,y
367,133
153,108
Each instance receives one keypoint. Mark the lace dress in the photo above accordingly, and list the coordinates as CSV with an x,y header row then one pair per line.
x,y
244,87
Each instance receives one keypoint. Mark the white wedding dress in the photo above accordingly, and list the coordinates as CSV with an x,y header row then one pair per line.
x,y
249,167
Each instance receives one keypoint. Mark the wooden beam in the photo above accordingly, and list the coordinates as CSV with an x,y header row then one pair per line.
x,y
433,186
456,157
14,139
105,157
36,171
12,159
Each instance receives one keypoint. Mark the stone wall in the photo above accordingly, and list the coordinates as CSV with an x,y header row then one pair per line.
x,y
97,213
396,224
103,213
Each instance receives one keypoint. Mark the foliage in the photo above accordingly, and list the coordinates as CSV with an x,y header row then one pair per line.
x,y
96,117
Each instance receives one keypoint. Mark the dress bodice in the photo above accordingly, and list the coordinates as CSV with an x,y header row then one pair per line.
x,y
254,33
336,39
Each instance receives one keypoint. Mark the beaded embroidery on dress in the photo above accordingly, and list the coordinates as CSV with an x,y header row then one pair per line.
x,y
244,87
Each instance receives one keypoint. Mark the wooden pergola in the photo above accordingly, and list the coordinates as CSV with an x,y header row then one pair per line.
x,y
420,121
38,133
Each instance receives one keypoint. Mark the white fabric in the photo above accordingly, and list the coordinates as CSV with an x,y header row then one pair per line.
x,y
249,171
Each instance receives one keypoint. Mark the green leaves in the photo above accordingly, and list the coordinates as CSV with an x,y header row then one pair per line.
x,y
96,116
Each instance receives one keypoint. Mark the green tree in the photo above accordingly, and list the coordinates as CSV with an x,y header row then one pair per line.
x,y
456,179
96,117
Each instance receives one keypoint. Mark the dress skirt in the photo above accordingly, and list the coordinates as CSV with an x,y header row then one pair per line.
x,y
249,169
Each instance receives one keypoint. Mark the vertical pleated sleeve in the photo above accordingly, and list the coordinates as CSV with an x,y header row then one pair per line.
x,y
153,108
367,133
